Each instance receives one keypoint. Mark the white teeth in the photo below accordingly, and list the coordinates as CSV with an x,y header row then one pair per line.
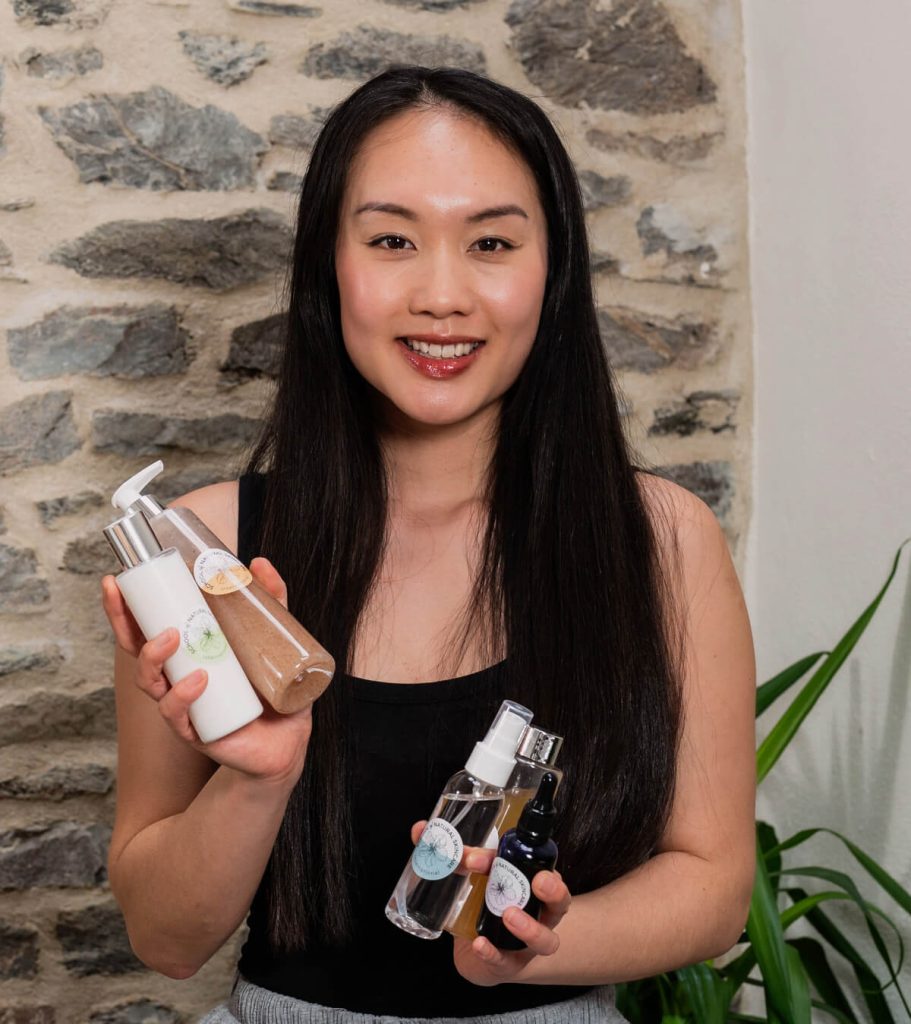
x,y
425,347
436,350
442,351
448,351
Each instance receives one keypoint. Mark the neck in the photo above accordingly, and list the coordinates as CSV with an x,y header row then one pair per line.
x,y
438,472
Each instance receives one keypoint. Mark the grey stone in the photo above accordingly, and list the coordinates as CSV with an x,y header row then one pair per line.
x,y
220,254
27,1014
95,941
13,660
61,63
90,556
64,854
18,951
226,60
285,181
37,429
366,51
297,131
140,1011
21,589
102,341
662,229
599,192
604,263
435,6
154,140
2,146
2,522
623,56
710,481
53,509
12,205
71,14
6,257
645,343
256,349
57,783
277,10
51,715
138,433
700,411
677,149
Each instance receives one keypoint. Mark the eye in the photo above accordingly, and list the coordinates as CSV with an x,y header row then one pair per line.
x,y
492,244
390,242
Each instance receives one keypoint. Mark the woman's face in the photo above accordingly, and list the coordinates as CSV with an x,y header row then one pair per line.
x,y
441,260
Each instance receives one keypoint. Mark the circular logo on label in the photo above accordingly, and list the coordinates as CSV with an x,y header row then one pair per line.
x,y
438,852
506,887
217,571
202,636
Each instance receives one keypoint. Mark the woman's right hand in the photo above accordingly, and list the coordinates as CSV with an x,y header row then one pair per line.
x,y
271,748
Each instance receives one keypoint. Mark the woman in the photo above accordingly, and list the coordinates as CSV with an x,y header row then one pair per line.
x,y
457,525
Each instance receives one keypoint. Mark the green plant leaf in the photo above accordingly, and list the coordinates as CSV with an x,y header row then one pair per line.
x,y
870,987
784,729
768,841
837,1014
771,690
823,978
800,987
709,994
798,910
767,938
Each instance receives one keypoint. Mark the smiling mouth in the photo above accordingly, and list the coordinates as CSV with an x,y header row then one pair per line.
x,y
434,351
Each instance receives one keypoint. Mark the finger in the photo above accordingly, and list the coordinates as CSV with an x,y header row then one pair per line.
x,y
485,950
551,890
175,704
476,860
150,675
537,936
417,830
127,634
268,576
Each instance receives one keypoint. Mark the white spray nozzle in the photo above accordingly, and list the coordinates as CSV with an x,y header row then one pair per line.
x,y
129,492
494,758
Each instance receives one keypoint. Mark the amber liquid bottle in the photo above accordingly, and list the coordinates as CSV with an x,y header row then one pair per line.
x,y
536,755
286,666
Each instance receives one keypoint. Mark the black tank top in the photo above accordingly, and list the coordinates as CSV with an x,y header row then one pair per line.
x,y
409,739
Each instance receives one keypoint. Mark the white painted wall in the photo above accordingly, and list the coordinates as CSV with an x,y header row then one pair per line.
x,y
829,159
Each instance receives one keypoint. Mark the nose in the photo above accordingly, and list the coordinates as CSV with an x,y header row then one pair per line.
x,y
441,285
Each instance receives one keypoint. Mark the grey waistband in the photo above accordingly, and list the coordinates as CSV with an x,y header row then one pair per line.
x,y
250,1004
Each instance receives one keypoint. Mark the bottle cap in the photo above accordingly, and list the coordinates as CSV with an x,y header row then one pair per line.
x,y
540,746
539,815
132,539
494,758
129,494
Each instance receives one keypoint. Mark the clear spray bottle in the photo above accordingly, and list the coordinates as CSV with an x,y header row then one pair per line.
x,y
425,895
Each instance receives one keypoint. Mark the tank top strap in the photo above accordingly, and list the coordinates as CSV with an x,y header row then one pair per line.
x,y
250,499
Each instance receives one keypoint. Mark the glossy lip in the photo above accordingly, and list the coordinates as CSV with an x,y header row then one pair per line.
x,y
439,369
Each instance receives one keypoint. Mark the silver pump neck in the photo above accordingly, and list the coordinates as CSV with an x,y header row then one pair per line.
x,y
540,746
147,504
132,539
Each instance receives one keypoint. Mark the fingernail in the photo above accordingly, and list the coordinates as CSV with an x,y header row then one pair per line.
x,y
165,639
517,919
547,886
475,862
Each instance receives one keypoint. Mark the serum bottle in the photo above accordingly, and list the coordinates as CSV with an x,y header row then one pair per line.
x,y
429,887
537,754
522,853
162,594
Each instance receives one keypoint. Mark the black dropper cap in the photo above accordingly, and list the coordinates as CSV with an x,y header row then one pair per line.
x,y
539,815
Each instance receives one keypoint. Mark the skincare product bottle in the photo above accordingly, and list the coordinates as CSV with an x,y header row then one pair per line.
x,y
537,754
429,887
284,663
162,594
523,852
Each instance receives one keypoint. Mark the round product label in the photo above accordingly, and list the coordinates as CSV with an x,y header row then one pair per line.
x,y
438,852
202,636
217,571
506,887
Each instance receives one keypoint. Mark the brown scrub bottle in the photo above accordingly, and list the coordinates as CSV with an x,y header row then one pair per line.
x,y
286,666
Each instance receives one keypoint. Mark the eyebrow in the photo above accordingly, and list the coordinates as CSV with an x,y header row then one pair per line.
x,y
492,212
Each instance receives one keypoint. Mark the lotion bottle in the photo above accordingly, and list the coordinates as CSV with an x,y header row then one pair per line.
x,y
536,755
523,852
284,663
162,594
429,887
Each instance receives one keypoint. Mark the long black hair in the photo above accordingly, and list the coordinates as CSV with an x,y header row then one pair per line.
x,y
570,557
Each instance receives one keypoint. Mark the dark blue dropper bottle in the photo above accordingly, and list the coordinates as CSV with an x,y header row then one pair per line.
x,y
523,852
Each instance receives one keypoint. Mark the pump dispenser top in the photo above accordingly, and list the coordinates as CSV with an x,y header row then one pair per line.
x,y
129,493
494,757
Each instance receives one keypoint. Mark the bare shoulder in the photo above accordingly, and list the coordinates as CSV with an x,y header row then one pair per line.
x,y
217,506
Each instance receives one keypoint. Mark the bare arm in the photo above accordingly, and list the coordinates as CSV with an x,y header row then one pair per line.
x,y
690,901
195,823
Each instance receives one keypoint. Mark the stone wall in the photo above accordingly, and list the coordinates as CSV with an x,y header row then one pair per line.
x,y
149,156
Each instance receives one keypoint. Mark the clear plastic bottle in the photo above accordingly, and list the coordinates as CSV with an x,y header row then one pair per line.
x,y
286,666
536,755
464,815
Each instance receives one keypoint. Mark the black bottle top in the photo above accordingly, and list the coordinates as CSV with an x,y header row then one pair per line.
x,y
536,823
